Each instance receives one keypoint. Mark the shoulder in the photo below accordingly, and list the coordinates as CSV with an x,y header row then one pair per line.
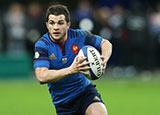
x,y
80,32
73,33
43,42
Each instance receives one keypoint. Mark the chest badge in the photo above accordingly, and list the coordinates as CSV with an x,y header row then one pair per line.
x,y
64,60
75,49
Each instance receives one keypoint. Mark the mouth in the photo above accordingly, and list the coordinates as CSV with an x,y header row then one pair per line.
x,y
56,33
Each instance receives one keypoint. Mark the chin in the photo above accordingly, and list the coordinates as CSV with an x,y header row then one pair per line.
x,y
57,39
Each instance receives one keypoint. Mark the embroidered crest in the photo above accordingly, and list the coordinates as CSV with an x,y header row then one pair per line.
x,y
75,49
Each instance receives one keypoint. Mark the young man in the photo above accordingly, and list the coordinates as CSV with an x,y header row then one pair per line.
x,y
57,64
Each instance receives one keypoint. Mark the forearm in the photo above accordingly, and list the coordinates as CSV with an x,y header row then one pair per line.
x,y
44,75
106,49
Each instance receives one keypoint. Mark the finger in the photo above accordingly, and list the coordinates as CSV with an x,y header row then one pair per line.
x,y
82,59
76,58
84,64
102,62
103,72
103,69
102,57
84,68
104,66
86,73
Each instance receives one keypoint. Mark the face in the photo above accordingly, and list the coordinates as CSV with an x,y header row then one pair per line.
x,y
57,27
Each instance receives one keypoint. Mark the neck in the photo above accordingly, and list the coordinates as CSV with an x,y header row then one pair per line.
x,y
60,41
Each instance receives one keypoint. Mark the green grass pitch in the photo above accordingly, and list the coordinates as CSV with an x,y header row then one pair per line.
x,y
122,97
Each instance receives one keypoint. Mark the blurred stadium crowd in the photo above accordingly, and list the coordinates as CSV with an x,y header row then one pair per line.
x,y
132,27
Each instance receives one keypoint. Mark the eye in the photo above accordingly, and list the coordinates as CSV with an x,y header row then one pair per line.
x,y
61,23
51,22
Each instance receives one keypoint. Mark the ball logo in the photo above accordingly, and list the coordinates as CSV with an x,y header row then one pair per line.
x,y
93,56
96,62
75,49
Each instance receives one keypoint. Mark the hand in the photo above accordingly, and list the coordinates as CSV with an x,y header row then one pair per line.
x,y
79,66
104,63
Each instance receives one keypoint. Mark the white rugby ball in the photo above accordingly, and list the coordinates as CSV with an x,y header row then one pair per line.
x,y
93,56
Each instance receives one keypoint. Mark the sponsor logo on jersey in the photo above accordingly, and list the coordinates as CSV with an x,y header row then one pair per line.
x,y
75,49
52,56
96,98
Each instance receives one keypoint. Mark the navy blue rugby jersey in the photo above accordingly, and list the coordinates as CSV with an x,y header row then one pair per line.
x,y
56,56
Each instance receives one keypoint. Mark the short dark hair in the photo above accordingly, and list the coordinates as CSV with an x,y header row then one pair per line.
x,y
58,10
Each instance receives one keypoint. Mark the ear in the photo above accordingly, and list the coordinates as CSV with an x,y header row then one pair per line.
x,y
47,25
68,24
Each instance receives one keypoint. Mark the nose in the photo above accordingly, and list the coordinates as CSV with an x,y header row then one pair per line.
x,y
56,27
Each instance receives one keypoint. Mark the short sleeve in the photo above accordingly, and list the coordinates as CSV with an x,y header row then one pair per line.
x,y
41,55
93,40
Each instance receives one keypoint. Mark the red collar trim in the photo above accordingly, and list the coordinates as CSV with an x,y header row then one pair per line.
x,y
60,44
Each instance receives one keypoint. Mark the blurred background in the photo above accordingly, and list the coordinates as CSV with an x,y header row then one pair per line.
x,y
132,26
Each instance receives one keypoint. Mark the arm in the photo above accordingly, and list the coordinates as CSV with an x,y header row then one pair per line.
x,y
106,50
44,75
105,46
